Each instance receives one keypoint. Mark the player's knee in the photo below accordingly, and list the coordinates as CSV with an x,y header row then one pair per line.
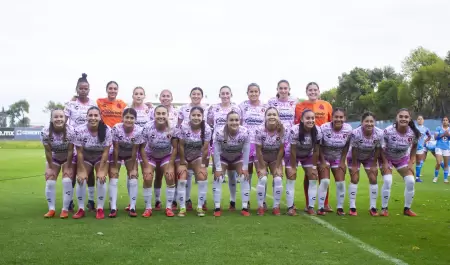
x,y
262,181
387,180
409,183
277,181
326,182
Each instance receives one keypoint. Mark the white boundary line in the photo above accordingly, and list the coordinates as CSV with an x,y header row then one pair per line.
x,y
352,239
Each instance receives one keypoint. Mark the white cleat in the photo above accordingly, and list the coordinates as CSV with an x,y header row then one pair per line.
x,y
435,180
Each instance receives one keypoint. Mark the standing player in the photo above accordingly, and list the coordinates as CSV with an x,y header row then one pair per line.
x,y
92,141
269,141
193,153
305,138
111,108
333,153
421,155
160,150
442,151
127,137
56,145
399,151
231,152
322,110
365,149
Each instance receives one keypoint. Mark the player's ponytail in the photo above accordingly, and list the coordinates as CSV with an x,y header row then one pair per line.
x,y
102,131
202,131
413,127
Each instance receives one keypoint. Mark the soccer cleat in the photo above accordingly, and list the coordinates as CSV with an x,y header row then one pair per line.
x,y
340,212
64,214
127,208
311,211
91,206
321,211
182,212
147,213
79,214
112,214
407,211
384,212
169,212
157,206
174,206
260,211
204,207
232,207
50,214
446,181
353,212
328,209
276,211
291,211
200,212
189,205
418,180
373,211
132,213
265,206
100,214
71,205
217,212
245,212
435,179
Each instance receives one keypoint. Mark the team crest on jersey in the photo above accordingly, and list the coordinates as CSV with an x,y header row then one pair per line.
x,y
169,136
85,140
409,139
291,103
52,139
278,139
119,106
344,135
147,111
133,140
263,110
321,106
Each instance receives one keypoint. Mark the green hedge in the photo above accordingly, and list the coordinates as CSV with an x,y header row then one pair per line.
x,y
20,145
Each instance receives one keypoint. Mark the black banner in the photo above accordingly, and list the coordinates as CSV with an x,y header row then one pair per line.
x,y
7,133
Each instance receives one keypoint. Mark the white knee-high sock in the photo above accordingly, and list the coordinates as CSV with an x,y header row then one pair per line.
x,y
373,195
170,192
217,191
352,191
113,192
189,184
202,190
277,191
134,193
312,192
290,192
386,190
101,194
181,193
409,190
50,193
67,193
323,188
147,198
81,194
261,190
340,193
245,192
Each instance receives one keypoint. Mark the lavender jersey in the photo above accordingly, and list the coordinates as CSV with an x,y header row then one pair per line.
x,y
185,110
126,141
92,147
58,144
159,143
193,141
333,142
143,115
173,116
306,147
252,117
76,111
286,110
396,145
232,148
217,115
366,145
270,143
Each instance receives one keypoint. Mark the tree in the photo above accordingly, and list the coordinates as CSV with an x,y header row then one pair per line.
x,y
17,111
329,95
3,116
447,58
51,105
418,58
385,99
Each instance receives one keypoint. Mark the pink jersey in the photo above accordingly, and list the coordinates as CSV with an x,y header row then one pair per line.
x,y
126,141
333,142
306,147
59,145
365,145
395,145
159,143
232,148
192,141
286,109
269,142
143,115
185,110
76,111
173,116
252,117
92,147
217,115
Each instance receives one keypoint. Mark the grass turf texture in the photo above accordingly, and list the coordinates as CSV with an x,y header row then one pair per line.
x,y
28,238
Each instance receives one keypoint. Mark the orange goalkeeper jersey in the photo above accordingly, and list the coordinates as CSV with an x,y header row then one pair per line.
x,y
111,111
321,108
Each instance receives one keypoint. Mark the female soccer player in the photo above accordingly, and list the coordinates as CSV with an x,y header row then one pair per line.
x,y
269,141
54,137
92,141
217,118
421,155
193,153
400,146
322,110
442,151
365,149
196,96
142,110
160,150
253,116
111,108
305,138
127,137
333,153
231,152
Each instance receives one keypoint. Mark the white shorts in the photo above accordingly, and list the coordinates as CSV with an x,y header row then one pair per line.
x,y
421,152
439,151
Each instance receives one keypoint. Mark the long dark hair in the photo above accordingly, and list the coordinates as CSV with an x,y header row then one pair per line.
x,y
51,128
411,123
279,127
225,128
301,130
101,125
282,81
202,124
